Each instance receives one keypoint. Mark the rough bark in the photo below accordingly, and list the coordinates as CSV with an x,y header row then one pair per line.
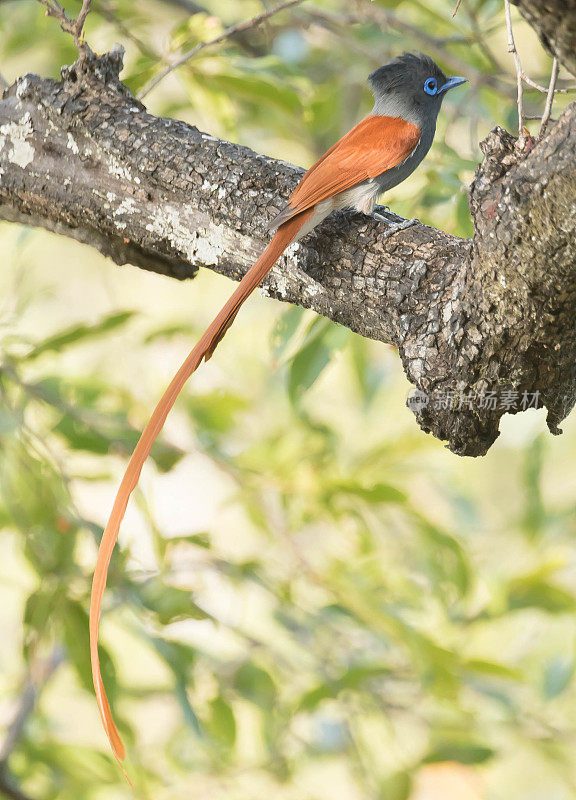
x,y
83,158
511,328
555,23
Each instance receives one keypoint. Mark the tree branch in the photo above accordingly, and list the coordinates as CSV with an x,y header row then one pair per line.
x,y
83,158
550,96
522,77
73,26
244,39
519,71
229,33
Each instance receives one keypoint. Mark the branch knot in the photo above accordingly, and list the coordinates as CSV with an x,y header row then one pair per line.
x,y
105,68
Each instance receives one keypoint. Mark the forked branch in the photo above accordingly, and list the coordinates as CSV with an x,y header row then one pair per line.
x,y
73,26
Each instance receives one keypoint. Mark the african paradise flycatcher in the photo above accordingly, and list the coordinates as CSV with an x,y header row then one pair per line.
x,y
376,155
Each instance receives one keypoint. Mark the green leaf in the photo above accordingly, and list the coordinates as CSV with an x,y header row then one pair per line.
x,y
306,367
201,539
221,724
255,684
535,591
492,669
168,332
78,334
82,766
168,602
377,493
261,92
462,752
215,413
312,698
445,556
81,436
42,608
310,361
353,679
142,69
396,787
103,433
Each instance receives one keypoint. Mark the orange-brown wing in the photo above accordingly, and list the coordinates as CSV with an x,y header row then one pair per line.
x,y
373,146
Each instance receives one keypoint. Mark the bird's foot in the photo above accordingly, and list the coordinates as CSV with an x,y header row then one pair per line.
x,y
398,226
393,227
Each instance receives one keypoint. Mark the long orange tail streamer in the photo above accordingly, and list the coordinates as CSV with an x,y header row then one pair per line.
x,y
203,350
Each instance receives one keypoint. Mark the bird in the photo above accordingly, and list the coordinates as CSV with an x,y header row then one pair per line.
x,y
378,153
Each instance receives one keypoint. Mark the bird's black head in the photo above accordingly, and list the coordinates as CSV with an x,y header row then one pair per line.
x,y
410,86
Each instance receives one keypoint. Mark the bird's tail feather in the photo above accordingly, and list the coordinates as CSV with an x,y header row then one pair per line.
x,y
203,350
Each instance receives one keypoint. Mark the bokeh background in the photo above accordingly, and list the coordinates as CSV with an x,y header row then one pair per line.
x,y
311,599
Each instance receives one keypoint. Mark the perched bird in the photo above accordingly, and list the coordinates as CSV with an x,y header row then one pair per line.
x,y
376,155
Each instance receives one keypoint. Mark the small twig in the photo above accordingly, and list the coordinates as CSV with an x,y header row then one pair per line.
x,y
550,97
519,71
546,89
522,78
231,31
81,19
73,26
537,117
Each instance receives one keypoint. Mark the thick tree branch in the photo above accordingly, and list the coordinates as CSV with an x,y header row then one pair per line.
x,y
83,158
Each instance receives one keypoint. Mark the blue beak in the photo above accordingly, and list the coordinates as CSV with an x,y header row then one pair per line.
x,y
451,83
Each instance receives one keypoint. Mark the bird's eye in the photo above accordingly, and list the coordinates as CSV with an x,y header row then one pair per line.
x,y
431,86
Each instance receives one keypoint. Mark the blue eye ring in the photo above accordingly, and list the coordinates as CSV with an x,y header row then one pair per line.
x,y
431,86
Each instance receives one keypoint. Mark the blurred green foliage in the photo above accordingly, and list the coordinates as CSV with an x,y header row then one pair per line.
x,y
361,605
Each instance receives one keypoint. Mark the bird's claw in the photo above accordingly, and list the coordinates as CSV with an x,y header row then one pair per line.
x,y
392,227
